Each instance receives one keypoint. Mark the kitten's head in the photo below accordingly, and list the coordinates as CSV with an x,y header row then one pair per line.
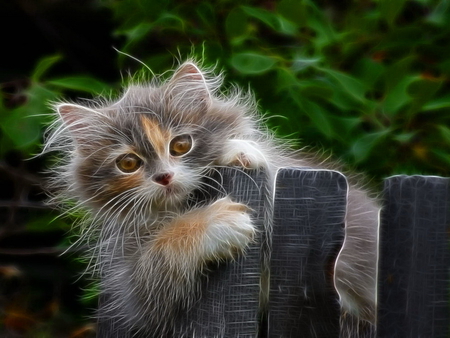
x,y
150,149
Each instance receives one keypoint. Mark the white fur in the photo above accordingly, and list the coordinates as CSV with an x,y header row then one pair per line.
x,y
228,229
246,153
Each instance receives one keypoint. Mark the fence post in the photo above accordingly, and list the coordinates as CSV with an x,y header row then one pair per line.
x,y
414,258
309,213
229,301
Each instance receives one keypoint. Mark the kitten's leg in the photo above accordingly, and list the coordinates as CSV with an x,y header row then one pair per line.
x,y
170,264
245,153
209,233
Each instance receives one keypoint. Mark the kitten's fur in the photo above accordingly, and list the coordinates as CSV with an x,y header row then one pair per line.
x,y
150,248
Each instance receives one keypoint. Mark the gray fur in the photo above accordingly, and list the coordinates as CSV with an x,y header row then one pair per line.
x,y
125,218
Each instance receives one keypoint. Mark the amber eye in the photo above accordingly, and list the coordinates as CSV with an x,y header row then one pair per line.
x,y
128,163
180,145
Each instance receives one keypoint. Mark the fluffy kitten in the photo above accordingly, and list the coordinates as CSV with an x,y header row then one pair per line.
x,y
134,162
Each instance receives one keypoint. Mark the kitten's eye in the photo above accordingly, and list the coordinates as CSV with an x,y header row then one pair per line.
x,y
180,145
128,163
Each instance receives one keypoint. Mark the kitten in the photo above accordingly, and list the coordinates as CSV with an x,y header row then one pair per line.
x,y
133,164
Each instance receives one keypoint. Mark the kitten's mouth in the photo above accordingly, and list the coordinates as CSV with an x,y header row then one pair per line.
x,y
173,191
170,190
169,196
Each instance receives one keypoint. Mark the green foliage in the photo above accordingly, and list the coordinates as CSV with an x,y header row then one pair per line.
x,y
22,125
367,80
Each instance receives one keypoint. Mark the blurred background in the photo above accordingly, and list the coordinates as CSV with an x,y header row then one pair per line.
x,y
365,81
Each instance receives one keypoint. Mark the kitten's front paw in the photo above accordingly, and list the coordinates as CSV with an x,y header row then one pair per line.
x,y
243,153
230,229
243,160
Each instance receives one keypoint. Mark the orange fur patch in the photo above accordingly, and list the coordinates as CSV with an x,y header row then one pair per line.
x,y
159,138
125,183
183,235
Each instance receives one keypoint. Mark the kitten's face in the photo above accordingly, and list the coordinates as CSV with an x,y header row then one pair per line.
x,y
149,150
140,161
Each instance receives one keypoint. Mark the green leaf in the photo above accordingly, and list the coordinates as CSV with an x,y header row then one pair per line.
x,y
81,83
440,13
206,11
252,63
171,21
325,34
302,62
397,72
404,137
138,32
368,71
349,84
390,9
43,65
398,97
445,133
236,23
293,10
319,118
421,91
345,125
317,115
363,147
23,125
285,79
315,89
274,21
442,102
22,129
442,155
341,100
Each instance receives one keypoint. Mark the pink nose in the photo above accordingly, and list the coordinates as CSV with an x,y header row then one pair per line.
x,y
163,179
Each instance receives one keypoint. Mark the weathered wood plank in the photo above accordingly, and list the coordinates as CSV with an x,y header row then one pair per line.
x,y
229,304
414,258
309,213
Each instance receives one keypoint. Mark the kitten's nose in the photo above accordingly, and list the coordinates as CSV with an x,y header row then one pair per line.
x,y
163,179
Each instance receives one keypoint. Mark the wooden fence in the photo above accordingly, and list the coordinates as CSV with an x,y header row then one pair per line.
x,y
299,243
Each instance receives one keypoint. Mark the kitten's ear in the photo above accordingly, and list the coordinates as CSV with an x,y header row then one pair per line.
x,y
190,84
76,119
188,71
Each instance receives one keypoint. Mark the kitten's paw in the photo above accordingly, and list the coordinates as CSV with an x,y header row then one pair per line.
x,y
243,160
230,229
243,153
